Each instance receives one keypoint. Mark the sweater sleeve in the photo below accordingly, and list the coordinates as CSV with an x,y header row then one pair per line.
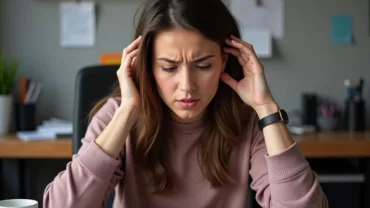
x,y
284,180
92,174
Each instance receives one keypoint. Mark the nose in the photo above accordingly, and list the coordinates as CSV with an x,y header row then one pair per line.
x,y
186,82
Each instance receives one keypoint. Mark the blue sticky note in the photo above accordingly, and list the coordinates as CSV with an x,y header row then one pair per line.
x,y
341,29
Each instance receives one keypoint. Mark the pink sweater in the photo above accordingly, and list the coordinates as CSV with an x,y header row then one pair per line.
x,y
280,181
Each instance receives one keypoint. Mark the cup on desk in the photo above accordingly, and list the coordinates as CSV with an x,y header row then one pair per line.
x,y
327,123
25,117
19,203
355,115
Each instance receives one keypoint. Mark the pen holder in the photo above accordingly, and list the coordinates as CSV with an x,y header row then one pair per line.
x,y
355,115
25,119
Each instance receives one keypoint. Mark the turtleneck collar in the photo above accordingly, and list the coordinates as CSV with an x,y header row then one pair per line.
x,y
186,128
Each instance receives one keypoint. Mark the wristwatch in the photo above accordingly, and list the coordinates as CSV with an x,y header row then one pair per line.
x,y
281,115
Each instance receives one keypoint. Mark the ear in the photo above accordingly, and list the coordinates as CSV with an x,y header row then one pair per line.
x,y
225,57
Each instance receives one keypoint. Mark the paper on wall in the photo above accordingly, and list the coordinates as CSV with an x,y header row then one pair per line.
x,y
77,24
261,39
270,14
342,28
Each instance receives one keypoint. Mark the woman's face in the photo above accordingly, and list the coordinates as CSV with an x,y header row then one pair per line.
x,y
186,68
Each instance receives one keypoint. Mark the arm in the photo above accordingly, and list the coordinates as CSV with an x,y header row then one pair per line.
x,y
281,175
95,170
283,178
277,136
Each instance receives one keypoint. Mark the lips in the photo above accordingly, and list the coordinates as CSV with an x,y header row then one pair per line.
x,y
188,103
188,100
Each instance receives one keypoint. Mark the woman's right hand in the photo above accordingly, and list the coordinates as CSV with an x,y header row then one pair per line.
x,y
129,93
113,137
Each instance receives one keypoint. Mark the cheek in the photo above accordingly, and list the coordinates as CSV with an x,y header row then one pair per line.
x,y
165,87
210,81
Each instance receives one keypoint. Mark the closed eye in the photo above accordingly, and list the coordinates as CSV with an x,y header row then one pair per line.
x,y
169,69
203,66
173,69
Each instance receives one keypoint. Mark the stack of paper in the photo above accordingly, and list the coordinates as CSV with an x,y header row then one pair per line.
x,y
299,130
48,130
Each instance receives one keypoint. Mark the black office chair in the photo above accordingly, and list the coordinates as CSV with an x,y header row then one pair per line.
x,y
92,84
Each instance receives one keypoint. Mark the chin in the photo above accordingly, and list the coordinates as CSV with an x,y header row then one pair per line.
x,y
187,117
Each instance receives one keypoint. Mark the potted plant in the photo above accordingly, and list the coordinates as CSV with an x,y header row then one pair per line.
x,y
7,80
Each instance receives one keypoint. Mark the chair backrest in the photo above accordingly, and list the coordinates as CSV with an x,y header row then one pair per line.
x,y
92,83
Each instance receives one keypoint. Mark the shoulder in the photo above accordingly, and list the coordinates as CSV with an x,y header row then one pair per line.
x,y
103,115
107,110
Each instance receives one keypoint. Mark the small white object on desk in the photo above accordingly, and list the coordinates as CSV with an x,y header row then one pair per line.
x,y
36,135
48,130
19,203
299,130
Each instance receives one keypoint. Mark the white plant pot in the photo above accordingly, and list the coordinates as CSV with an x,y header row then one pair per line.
x,y
5,113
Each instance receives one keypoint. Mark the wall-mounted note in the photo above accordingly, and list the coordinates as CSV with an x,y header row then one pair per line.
x,y
77,24
261,39
341,29
260,14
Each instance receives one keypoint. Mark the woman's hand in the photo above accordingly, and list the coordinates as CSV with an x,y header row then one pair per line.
x,y
253,88
254,91
114,135
129,93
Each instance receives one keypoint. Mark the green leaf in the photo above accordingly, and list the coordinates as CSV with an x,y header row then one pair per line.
x,y
2,73
7,75
10,77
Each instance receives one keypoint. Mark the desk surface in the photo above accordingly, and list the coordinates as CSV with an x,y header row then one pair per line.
x,y
319,145
335,144
12,147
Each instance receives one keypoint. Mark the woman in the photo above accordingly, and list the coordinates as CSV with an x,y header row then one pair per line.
x,y
181,129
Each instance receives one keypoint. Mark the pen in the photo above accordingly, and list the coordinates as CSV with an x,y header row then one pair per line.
x,y
347,84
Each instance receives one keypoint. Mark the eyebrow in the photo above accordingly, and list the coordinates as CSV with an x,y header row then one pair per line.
x,y
198,60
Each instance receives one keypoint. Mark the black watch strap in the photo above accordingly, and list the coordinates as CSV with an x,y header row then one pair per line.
x,y
281,115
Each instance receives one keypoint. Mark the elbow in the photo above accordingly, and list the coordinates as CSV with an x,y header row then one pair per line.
x,y
46,201
324,201
55,199
316,199
47,197
319,198
320,201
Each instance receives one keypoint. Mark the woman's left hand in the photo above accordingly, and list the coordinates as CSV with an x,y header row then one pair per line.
x,y
253,88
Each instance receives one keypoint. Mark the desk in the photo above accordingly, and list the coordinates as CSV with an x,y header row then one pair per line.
x,y
12,147
335,144
312,145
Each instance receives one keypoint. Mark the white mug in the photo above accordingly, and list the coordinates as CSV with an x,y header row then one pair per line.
x,y
18,203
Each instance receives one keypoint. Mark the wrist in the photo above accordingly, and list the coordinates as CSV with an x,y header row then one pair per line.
x,y
267,109
127,115
113,137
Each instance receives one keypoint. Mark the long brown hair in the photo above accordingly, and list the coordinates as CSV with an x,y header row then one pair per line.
x,y
226,113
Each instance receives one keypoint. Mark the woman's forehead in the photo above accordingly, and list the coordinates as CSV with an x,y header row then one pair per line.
x,y
181,41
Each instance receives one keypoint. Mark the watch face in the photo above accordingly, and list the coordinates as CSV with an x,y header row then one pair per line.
x,y
285,115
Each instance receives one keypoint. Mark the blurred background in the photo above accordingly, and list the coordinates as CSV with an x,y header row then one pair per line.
x,y
314,69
